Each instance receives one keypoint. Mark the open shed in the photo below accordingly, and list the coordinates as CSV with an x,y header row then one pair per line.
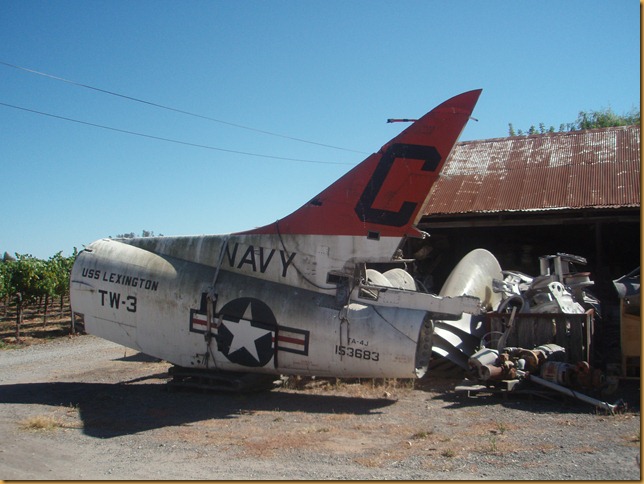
x,y
523,197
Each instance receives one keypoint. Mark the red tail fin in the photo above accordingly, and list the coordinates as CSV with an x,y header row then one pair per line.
x,y
384,193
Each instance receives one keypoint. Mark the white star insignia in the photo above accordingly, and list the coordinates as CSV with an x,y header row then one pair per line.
x,y
244,334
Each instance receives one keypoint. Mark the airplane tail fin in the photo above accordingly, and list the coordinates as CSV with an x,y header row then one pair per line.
x,y
384,194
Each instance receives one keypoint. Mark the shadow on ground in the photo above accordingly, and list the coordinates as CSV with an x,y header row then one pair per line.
x,y
110,410
536,399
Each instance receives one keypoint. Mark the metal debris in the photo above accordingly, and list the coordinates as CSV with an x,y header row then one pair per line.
x,y
544,366
556,290
551,307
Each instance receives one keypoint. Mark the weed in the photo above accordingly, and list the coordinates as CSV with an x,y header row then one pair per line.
x,y
493,444
501,427
423,434
7,345
449,453
73,408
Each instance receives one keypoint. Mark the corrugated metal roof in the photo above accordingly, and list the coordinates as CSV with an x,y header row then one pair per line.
x,y
597,168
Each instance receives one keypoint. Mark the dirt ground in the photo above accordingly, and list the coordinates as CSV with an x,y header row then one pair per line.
x,y
84,408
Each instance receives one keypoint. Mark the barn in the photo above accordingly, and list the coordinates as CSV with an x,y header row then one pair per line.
x,y
523,197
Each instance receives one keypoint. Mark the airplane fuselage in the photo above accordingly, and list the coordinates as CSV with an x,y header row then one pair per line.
x,y
299,296
274,305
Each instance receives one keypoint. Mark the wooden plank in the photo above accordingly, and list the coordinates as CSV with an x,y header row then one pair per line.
x,y
631,334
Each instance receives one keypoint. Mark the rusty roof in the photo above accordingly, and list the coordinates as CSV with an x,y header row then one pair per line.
x,y
598,168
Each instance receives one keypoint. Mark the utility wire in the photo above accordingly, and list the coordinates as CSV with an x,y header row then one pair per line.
x,y
161,106
171,140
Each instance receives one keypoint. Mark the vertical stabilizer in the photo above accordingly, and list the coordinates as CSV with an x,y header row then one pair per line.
x,y
385,193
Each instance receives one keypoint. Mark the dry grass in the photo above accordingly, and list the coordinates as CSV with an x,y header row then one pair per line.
x,y
381,458
45,423
268,445
65,417
586,449
353,387
634,438
40,422
32,331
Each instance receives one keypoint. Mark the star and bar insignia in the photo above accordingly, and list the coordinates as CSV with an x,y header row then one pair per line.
x,y
249,334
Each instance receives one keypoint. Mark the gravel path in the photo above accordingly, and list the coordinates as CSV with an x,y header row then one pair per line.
x,y
111,418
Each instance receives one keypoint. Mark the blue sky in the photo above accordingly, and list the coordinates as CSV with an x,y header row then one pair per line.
x,y
329,72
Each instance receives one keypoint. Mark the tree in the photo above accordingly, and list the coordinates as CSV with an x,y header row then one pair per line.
x,y
603,118
5,292
57,272
46,284
132,235
511,131
25,279
606,118
4,285
23,282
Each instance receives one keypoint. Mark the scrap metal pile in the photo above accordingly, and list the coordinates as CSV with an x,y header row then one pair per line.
x,y
555,290
544,366
539,332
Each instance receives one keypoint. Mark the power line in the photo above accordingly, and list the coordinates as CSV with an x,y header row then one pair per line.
x,y
186,143
161,106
